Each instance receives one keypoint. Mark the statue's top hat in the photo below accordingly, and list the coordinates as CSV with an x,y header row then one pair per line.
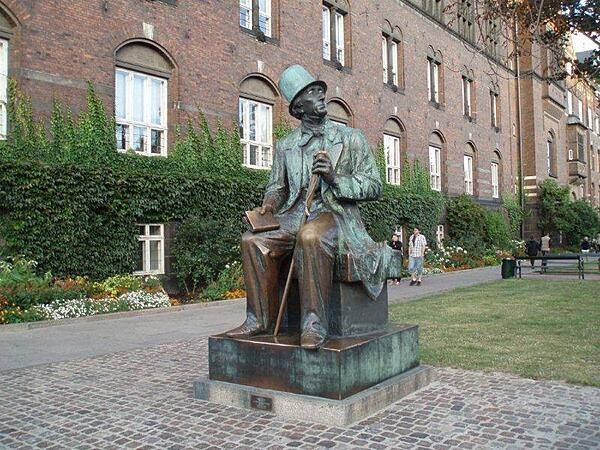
x,y
294,80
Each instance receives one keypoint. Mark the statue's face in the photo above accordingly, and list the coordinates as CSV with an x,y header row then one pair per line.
x,y
312,102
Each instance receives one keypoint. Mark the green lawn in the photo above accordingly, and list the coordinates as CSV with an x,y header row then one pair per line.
x,y
533,328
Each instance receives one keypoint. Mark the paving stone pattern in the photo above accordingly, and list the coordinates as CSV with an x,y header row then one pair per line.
x,y
143,399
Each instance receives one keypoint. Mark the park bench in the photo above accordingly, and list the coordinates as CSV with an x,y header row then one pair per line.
x,y
575,257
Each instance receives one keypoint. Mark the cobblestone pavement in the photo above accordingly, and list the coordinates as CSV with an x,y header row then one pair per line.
x,y
143,399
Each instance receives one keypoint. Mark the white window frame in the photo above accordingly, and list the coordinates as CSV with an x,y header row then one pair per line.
x,y
339,37
494,108
147,238
264,16
495,183
466,96
580,109
146,122
435,175
394,50
3,88
468,170
569,103
263,144
246,7
326,33
391,145
590,121
433,81
384,57
549,155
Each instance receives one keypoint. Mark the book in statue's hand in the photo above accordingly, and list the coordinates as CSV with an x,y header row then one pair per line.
x,y
261,222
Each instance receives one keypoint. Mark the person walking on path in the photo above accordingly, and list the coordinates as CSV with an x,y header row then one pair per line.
x,y
585,247
532,248
545,250
396,245
416,254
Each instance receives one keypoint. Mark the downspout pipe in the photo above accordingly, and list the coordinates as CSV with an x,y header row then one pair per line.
x,y
519,123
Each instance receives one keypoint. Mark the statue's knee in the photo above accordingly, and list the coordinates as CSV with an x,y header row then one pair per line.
x,y
308,236
248,239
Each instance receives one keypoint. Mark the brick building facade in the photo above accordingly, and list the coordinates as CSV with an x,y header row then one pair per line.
x,y
406,72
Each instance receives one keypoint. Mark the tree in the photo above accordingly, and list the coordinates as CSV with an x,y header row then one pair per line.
x,y
546,22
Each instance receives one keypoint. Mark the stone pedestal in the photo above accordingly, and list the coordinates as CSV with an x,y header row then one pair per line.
x,y
341,368
316,409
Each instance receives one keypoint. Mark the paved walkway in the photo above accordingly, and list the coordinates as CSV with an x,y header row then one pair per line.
x,y
143,399
80,338
127,383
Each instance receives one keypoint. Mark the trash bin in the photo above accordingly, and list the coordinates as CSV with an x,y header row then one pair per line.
x,y
508,267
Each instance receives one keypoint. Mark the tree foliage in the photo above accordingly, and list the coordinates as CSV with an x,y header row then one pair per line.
x,y
558,214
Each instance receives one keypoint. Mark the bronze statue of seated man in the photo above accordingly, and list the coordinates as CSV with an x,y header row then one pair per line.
x,y
347,174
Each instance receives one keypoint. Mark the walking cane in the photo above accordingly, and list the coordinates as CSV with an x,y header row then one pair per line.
x,y
312,188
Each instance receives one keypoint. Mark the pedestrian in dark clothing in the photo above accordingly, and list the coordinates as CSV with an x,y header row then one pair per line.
x,y
396,245
532,247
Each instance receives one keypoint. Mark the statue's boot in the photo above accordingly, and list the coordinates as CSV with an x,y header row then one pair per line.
x,y
311,340
313,334
250,327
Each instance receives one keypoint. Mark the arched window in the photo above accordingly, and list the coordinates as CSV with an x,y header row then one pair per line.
x,y
496,173
468,93
257,98
392,56
7,26
436,146
142,74
393,142
470,167
435,77
336,32
339,112
551,154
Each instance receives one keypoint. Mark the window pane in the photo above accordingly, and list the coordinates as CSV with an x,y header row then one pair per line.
x,y
264,16
156,137
242,109
142,230
154,255
120,94
384,58
246,13
339,37
139,265
122,134
155,230
156,102
395,63
253,155
138,98
252,122
139,139
326,34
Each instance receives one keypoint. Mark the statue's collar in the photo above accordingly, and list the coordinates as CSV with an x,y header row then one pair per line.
x,y
325,129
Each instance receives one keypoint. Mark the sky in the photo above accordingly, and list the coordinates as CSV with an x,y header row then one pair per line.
x,y
582,43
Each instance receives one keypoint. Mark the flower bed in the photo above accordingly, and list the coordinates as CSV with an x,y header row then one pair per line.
x,y
27,296
80,307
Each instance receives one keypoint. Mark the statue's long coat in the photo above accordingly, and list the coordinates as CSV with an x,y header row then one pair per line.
x,y
356,179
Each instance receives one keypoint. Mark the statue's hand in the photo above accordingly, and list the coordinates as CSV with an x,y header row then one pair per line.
x,y
322,166
266,208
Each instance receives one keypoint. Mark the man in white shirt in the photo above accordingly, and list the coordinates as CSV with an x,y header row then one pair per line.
x,y
416,253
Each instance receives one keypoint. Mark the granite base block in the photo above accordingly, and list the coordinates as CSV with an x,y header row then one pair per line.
x,y
316,409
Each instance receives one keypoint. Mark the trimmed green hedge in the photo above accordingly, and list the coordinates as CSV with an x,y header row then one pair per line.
x,y
80,220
